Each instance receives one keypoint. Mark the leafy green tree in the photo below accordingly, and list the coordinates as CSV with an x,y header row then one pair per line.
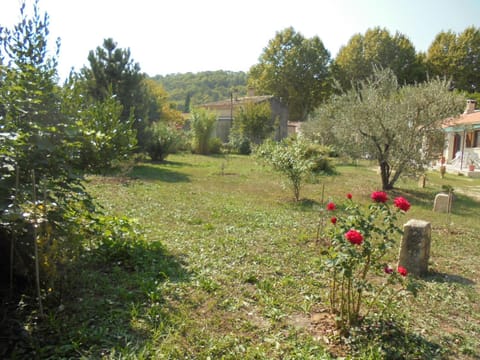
x,y
254,122
102,136
49,136
29,96
188,100
295,69
160,107
397,126
202,125
40,188
455,56
441,55
290,158
161,140
377,49
113,71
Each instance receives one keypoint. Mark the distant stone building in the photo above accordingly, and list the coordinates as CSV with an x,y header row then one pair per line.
x,y
294,128
226,109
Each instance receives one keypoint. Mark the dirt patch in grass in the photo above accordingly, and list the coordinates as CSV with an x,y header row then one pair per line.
x,y
320,324
111,180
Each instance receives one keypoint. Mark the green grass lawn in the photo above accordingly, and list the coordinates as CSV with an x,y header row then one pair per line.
x,y
230,270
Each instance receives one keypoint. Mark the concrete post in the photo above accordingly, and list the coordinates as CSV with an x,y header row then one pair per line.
x,y
415,247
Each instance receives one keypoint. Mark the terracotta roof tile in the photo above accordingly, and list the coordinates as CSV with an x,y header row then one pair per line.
x,y
239,101
463,119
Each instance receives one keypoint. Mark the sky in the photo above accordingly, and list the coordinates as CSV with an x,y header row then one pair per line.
x,y
180,36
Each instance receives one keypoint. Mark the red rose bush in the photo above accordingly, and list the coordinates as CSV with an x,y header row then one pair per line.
x,y
359,239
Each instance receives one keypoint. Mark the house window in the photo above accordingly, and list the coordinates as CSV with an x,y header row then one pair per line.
x,y
469,139
476,138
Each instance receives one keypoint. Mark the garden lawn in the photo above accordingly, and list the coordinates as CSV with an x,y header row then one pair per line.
x,y
231,269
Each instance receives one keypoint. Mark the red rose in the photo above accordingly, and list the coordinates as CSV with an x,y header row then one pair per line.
x,y
401,203
354,237
379,196
402,271
331,206
333,220
349,196
388,270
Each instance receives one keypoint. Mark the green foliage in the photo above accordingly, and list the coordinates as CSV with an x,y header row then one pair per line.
x,y
254,122
39,187
294,69
202,125
397,126
161,140
455,56
49,136
192,89
288,157
113,72
103,136
215,145
114,240
357,60
321,157
239,144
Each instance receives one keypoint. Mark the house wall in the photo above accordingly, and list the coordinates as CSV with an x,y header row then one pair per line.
x,y
222,130
462,138
280,113
456,143
226,109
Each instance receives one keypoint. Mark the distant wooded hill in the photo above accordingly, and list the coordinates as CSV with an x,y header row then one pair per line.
x,y
190,89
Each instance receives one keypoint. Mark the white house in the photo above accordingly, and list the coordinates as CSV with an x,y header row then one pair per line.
x,y
462,135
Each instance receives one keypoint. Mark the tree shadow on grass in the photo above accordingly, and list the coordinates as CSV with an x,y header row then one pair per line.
x,y
161,173
307,205
439,277
114,299
391,340
462,204
422,198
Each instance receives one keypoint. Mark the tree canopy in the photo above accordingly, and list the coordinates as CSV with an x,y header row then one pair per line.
x,y
456,56
294,69
112,71
397,126
377,48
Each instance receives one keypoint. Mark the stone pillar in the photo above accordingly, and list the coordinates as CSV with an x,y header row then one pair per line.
x,y
415,247
422,180
443,203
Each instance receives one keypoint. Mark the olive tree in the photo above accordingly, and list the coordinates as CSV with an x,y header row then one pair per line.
x,y
397,126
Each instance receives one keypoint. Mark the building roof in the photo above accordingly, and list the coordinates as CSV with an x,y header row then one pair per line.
x,y
463,120
237,101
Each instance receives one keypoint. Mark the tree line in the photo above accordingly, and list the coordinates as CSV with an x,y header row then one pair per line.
x,y
303,73
451,56
192,89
